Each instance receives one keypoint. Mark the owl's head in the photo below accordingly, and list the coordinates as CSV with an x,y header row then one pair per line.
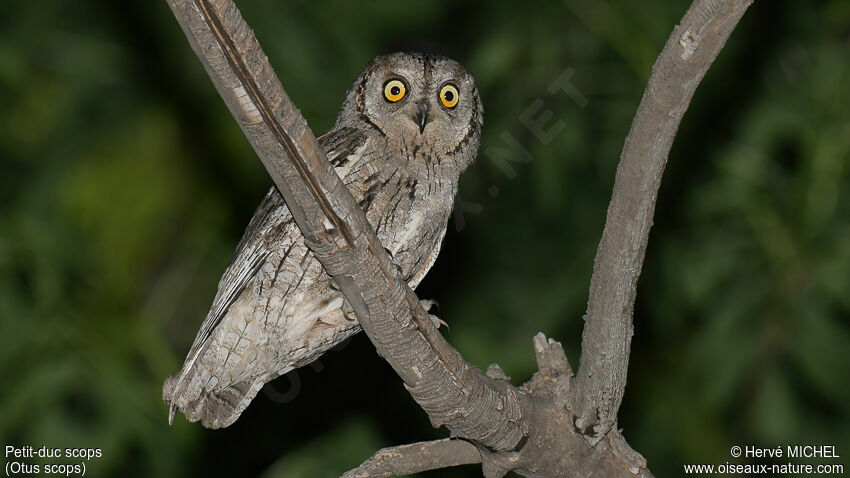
x,y
426,107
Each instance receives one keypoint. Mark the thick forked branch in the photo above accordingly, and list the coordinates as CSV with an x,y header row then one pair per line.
x,y
449,389
555,424
606,340
416,458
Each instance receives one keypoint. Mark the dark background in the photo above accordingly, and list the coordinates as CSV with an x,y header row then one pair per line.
x,y
126,185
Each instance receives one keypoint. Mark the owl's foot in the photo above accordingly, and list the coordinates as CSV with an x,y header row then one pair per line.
x,y
428,304
438,322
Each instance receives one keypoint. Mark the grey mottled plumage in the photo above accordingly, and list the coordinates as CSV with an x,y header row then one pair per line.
x,y
276,308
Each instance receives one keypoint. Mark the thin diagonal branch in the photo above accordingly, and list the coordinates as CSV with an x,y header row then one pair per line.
x,y
416,458
606,341
338,233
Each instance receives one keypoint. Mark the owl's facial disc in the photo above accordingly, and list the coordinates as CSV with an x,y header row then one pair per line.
x,y
425,106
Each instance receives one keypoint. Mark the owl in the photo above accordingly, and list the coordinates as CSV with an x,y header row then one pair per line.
x,y
409,126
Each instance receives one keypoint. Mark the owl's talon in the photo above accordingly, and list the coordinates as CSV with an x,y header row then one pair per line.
x,y
428,304
438,322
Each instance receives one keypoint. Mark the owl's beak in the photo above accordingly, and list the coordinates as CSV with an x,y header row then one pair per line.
x,y
423,115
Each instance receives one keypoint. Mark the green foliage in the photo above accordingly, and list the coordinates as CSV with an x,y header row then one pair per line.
x,y
126,186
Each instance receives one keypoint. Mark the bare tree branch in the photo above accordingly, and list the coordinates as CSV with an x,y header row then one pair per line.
x,y
452,392
555,424
606,340
416,457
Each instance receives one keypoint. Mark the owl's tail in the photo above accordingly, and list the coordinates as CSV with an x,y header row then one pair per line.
x,y
213,408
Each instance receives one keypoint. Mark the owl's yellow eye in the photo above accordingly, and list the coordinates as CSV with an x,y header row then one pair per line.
x,y
394,90
449,96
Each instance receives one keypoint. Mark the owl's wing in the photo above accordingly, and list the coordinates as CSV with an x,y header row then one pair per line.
x,y
267,232
340,146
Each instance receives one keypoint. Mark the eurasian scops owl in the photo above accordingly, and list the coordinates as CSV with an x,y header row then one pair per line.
x,y
408,127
